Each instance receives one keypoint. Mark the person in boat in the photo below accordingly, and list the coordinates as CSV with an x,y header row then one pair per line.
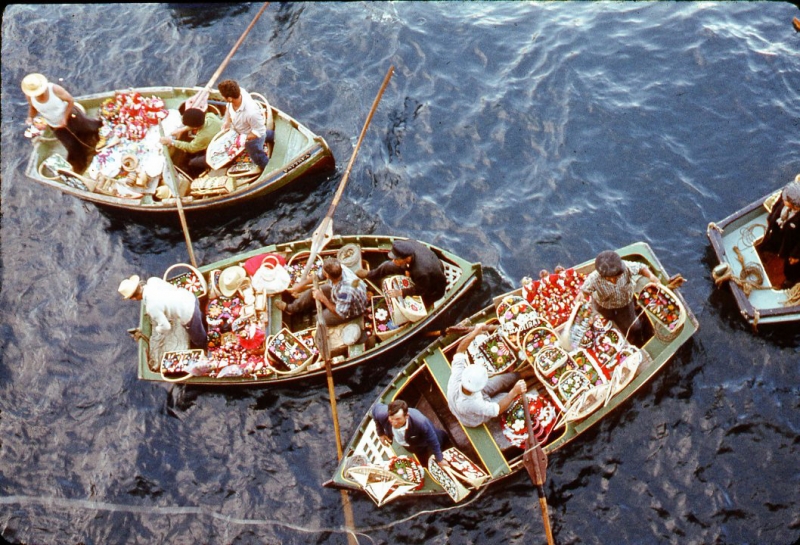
x,y
418,262
410,428
611,289
473,397
343,297
782,236
166,303
76,132
246,117
190,142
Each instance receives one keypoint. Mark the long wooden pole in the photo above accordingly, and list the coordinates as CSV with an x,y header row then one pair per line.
x,y
324,233
535,461
324,349
169,177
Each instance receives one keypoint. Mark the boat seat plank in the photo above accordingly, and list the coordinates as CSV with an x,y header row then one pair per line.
x,y
480,437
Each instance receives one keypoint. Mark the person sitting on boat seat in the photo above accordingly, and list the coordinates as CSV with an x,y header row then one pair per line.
x,y
165,303
472,396
78,134
191,141
246,117
782,236
612,291
343,298
410,428
417,261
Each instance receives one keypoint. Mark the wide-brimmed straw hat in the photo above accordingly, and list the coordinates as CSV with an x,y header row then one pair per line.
x,y
474,378
230,279
129,286
34,85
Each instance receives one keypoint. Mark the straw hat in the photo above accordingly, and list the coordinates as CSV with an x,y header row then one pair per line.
x,y
34,85
129,286
474,378
230,279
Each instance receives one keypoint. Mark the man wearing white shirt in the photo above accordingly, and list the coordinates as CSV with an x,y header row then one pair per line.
x,y
246,117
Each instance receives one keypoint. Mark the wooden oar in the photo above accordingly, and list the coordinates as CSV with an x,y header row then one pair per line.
x,y
324,349
324,233
535,461
169,177
200,96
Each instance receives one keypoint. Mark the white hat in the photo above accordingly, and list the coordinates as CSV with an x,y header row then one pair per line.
x,y
230,279
474,378
129,286
34,85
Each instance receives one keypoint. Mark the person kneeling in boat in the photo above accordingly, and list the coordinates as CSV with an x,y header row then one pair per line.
x,y
246,117
166,303
343,297
612,290
472,396
76,132
190,142
417,261
783,232
410,428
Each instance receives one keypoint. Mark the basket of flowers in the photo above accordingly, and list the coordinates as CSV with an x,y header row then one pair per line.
x,y
192,280
664,310
287,354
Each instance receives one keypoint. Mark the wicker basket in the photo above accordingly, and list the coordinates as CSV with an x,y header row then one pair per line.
x,y
192,280
665,311
286,339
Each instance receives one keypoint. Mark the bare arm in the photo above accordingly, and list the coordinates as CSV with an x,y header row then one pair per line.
x,y
464,343
518,389
62,93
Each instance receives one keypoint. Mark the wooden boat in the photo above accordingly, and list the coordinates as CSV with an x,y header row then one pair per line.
x,y
482,455
108,180
285,349
754,277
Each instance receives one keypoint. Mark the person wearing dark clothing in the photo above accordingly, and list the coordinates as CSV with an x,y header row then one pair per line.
x,y
783,232
410,428
418,262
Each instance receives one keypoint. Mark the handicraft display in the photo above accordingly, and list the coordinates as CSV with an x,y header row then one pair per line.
x,y
664,310
287,351
407,469
552,296
493,352
543,419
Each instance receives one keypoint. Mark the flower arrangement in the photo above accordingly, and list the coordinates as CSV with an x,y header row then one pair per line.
x,y
661,305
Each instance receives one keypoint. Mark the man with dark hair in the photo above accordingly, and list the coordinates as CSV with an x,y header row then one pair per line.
x,y
246,117
343,297
198,130
783,233
611,288
410,428
418,262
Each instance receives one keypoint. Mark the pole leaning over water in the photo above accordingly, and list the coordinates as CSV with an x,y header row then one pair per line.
x,y
535,461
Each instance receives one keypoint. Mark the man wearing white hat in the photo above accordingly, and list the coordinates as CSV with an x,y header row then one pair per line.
x,y
78,133
166,303
472,396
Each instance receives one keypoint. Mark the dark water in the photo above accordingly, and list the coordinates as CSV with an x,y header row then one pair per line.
x,y
522,135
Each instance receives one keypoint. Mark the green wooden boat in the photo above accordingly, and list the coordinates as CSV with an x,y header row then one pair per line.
x,y
288,350
754,277
494,450
296,152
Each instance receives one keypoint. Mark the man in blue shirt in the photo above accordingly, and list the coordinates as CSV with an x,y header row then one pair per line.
x,y
410,428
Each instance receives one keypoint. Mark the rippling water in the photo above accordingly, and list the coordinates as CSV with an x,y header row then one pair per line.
x,y
522,135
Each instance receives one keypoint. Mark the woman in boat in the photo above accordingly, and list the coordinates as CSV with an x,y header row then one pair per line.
x,y
246,117
410,428
199,128
472,396
611,288
417,261
783,232
76,132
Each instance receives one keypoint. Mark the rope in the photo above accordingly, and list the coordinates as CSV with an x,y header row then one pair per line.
x,y
750,278
792,296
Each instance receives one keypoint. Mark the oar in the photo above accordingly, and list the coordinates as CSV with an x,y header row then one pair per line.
x,y
535,461
324,349
324,233
204,93
169,177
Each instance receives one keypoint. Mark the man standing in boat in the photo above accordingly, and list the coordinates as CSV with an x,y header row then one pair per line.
x,y
343,298
246,117
611,288
418,262
76,132
410,428
165,304
199,128
472,396
783,232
